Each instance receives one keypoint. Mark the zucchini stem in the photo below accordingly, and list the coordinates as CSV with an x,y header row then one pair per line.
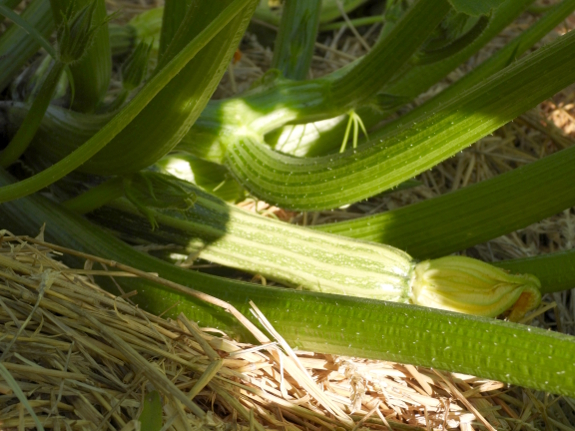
x,y
29,126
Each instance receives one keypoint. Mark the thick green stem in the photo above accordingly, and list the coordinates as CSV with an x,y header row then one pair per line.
x,y
332,181
17,46
125,117
319,322
27,130
295,42
474,214
96,196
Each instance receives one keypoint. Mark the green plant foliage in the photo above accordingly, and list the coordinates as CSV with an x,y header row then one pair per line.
x,y
111,145
313,321
475,7
151,416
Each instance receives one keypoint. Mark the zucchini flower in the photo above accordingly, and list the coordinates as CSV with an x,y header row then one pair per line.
x,y
470,286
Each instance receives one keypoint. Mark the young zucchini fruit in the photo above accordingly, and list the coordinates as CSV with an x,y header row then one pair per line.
x,y
316,261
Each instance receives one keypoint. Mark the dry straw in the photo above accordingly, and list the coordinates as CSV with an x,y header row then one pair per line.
x,y
75,357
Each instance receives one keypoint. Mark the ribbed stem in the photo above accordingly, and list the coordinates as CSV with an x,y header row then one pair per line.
x,y
23,137
295,42
329,182
17,46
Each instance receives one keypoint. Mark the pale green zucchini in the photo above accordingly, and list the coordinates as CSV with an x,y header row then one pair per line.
x,y
321,262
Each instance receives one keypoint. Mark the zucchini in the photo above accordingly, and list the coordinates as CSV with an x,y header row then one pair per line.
x,y
316,261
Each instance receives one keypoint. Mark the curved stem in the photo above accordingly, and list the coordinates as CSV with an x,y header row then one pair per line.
x,y
295,42
27,130
332,181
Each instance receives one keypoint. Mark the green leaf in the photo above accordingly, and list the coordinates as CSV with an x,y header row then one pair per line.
x,y
475,7
151,416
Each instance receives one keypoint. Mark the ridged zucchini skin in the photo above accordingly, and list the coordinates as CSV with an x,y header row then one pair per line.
x,y
313,321
296,257
310,260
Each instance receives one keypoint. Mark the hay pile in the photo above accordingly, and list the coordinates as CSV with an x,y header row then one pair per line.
x,y
76,357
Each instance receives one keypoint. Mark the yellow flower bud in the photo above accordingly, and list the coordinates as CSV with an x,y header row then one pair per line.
x,y
466,285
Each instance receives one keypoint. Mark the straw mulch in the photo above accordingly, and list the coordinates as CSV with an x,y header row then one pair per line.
x,y
76,357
